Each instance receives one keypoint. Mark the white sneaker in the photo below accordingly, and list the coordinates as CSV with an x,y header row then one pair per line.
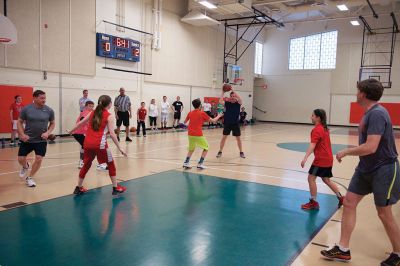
x,y
201,166
30,182
23,171
102,167
186,166
80,164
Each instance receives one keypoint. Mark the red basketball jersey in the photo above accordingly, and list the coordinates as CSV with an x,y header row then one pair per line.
x,y
97,139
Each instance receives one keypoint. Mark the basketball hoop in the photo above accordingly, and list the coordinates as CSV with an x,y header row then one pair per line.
x,y
238,81
8,32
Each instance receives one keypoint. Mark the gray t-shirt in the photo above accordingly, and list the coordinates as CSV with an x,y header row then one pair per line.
x,y
376,121
36,121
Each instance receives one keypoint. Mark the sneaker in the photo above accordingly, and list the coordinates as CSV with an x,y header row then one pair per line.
x,y
392,260
128,139
242,155
12,143
80,164
102,167
30,182
118,190
186,166
23,171
144,136
219,154
201,166
336,254
80,190
137,136
311,205
340,203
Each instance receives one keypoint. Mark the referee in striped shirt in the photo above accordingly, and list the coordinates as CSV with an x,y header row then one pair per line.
x,y
122,109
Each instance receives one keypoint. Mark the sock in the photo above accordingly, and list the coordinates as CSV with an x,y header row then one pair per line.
x,y
343,249
187,160
338,195
314,198
201,160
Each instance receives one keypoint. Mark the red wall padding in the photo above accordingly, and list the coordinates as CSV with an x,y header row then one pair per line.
x,y
8,93
356,112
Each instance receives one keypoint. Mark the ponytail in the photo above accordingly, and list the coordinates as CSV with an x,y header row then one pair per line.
x,y
322,116
103,102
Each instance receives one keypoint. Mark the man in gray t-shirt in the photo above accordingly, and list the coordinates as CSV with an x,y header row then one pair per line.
x,y
377,172
39,123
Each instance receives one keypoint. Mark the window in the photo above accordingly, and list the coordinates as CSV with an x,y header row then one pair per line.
x,y
258,58
313,52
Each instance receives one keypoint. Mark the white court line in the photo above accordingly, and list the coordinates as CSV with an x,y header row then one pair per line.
x,y
235,171
117,156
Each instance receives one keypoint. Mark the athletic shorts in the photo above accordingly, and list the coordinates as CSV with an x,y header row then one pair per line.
x,y
40,148
320,171
123,118
153,120
209,114
197,141
384,183
80,138
164,117
235,128
14,124
177,115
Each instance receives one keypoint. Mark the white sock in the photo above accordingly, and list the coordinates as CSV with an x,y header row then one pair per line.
x,y
314,198
343,249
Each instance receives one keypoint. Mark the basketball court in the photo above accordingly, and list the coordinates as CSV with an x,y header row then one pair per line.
x,y
283,59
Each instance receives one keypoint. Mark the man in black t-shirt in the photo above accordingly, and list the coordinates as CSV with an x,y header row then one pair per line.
x,y
231,121
178,109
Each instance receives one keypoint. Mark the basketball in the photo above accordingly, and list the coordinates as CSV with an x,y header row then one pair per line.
x,y
132,129
226,87
51,137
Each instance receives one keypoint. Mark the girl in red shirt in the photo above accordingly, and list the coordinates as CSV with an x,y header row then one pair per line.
x,y
323,159
95,145
15,110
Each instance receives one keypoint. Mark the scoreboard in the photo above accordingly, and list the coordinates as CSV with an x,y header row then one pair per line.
x,y
118,48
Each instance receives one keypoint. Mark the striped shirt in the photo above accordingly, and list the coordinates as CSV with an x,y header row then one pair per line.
x,y
122,103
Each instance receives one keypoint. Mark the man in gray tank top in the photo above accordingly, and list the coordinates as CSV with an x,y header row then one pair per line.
x,y
39,123
377,173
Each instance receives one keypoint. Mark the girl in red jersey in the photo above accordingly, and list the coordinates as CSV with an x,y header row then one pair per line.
x,y
100,123
323,161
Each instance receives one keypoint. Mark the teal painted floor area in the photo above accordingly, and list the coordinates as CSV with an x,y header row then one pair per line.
x,y
302,146
170,218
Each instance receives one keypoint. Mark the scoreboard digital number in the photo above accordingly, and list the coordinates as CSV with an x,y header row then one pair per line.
x,y
117,47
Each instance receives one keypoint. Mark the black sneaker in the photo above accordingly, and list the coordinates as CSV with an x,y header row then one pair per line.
x,y
242,155
80,190
128,139
393,260
219,154
336,254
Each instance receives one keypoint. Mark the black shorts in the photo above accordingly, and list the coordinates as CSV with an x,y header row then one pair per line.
x,y
123,118
153,120
320,171
80,138
235,128
177,115
209,114
40,148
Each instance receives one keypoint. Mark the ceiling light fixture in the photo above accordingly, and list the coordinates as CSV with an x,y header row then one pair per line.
x,y
208,4
342,7
355,23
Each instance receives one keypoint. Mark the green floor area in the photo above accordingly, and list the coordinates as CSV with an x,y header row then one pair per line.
x,y
302,146
170,218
